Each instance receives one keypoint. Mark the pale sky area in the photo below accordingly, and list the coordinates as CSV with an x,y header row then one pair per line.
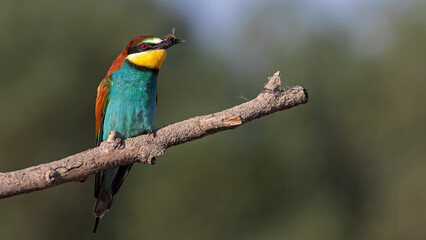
x,y
226,28
224,19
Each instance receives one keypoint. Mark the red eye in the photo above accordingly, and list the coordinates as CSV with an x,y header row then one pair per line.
x,y
144,46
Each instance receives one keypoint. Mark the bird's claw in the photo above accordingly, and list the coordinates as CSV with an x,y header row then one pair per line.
x,y
151,160
115,138
153,133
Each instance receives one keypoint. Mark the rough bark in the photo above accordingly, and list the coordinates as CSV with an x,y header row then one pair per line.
x,y
115,152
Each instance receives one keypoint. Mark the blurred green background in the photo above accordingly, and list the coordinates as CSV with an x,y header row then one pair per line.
x,y
350,164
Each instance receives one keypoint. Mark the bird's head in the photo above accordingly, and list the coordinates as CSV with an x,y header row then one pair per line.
x,y
149,51
145,51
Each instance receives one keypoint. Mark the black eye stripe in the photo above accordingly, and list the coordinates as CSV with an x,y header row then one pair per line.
x,y
138,48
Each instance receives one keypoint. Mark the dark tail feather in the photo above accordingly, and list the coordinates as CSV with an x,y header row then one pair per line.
x,y
121,175
96,224
102,205
104,195
98,184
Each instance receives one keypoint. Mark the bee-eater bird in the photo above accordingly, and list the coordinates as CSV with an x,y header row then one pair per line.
x,y
126,102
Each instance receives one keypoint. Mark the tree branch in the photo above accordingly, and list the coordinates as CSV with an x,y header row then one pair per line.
x,y
114,152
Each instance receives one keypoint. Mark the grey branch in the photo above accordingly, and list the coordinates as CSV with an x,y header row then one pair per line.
x,y
116,152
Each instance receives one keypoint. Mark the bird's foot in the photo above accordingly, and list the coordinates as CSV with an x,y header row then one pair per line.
x,y
153,133
115,138
151,160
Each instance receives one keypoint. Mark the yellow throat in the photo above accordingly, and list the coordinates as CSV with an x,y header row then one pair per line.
x,y
150,59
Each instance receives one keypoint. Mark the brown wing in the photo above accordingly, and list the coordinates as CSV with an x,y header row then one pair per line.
x,y
100,108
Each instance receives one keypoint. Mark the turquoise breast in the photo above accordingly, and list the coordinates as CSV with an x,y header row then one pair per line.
x,y
132,102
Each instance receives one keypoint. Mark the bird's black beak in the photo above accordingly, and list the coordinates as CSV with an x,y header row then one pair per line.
x,y
169,41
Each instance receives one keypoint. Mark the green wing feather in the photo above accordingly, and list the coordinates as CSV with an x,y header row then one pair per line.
x,y
102,101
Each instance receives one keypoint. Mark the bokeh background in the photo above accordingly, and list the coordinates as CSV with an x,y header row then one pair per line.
x,y
350,164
